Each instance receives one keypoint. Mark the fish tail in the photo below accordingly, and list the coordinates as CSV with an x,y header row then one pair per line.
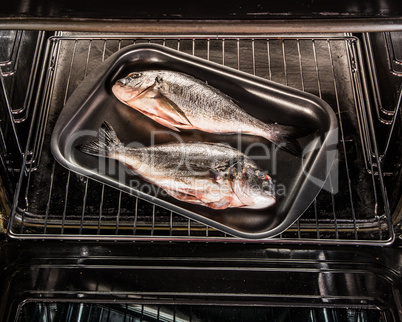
x,y
285,137
107,145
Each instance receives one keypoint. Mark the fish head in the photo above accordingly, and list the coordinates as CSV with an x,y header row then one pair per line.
x,y
133,85
253,187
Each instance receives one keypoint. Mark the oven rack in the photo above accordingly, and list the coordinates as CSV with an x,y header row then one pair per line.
x,y
52,202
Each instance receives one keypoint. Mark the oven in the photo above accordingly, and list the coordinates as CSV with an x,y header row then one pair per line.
x,y
76,249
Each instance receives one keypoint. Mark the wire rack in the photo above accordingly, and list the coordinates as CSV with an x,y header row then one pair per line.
x,y
52,202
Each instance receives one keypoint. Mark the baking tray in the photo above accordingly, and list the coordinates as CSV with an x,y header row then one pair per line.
x,y
297,179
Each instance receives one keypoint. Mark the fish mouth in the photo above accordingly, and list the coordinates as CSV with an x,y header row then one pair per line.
x,y
125,93
261,198
259,195
260,203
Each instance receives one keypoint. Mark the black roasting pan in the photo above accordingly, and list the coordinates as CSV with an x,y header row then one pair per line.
x,y
297,179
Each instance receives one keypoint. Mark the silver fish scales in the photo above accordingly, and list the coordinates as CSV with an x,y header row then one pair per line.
x,y
212,175
180,101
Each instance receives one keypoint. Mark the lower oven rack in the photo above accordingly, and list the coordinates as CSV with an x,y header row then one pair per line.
x,y
52,202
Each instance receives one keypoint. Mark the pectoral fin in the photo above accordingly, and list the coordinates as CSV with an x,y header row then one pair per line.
x,y
164,122
220,204
158,107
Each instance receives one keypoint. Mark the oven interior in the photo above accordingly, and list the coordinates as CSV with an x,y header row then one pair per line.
x,y
359,75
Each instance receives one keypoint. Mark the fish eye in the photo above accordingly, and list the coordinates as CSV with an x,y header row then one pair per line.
x,y
134,75
261,175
